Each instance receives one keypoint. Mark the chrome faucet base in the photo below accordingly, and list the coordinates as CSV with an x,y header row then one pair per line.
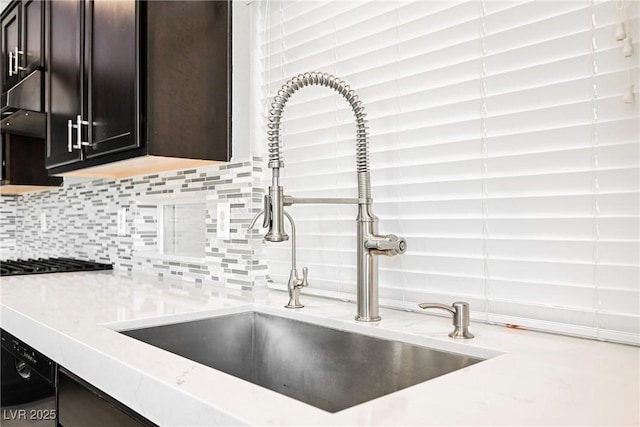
x,y
294,306
461,333
368,319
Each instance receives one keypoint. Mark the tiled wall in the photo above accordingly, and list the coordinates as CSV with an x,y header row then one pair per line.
x,y
81,221
8,227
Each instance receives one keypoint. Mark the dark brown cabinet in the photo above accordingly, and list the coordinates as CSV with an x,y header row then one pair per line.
x,y
64,101
92,79
132,79
22,60
22,41
80,405
10,45
22,159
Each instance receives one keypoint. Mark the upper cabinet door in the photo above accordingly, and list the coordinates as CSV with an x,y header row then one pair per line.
x,y
22,41
111,76
32,39
11,48
64,47
131,78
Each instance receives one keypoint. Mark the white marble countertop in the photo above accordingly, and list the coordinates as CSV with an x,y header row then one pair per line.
x,y
530,378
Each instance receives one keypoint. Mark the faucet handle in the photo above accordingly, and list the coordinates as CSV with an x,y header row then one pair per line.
x,y
294,285
460,312
305,281
389,245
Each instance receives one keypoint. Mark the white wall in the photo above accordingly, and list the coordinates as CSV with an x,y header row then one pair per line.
x,y
245,141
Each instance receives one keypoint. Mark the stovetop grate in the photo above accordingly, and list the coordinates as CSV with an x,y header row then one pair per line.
x,y
48,265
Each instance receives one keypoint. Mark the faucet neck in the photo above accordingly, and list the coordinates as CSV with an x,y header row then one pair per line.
x,y
362,131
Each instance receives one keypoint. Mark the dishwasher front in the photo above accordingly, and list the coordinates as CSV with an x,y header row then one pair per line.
x,y
28,381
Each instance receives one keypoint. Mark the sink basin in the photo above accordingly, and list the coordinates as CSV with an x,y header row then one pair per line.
x,y
328,368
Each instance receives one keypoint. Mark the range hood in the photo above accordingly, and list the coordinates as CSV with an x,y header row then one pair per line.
x,y
23,107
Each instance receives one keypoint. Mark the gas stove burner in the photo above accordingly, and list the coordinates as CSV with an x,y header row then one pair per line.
x,y
48,265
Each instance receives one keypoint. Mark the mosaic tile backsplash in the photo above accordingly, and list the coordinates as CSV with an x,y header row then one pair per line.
x,y
8,227
117,221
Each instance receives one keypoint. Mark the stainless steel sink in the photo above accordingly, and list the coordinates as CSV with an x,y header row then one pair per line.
x,y
328,368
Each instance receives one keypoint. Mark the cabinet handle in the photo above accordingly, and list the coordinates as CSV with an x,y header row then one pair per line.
x,y
16,61
69,135
10,64
79,131
78,126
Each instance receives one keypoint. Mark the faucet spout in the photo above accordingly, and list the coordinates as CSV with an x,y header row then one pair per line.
x,y
274,204
369,243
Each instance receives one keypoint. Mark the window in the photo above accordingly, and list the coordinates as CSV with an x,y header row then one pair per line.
x,y
504,147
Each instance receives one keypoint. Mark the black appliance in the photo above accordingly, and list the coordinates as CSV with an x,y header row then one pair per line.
x,y
23,107
48,265
28,381
28,378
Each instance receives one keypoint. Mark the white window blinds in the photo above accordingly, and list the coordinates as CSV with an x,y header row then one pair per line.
x,y
504,147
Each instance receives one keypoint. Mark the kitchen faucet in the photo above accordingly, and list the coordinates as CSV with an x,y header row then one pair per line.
x,y
369,243
295,284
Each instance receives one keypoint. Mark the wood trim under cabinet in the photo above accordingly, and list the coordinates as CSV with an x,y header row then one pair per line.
x,y
139,166
12,190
